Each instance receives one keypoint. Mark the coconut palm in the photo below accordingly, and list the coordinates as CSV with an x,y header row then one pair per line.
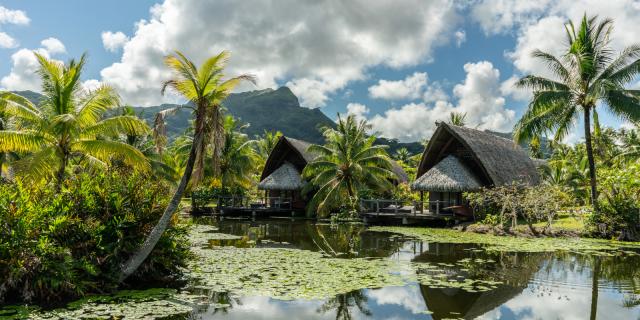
x,y
458,118
587,76
238,159
266,143
402,155
205,88
68,124
346,164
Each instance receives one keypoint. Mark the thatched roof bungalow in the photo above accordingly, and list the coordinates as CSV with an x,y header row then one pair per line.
x,y
460,159
282,173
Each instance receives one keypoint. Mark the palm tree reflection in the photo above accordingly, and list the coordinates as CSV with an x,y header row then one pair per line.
x,y
344,303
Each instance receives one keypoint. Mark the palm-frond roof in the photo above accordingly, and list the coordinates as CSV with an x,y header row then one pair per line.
x,y
449,175
286,177
492,159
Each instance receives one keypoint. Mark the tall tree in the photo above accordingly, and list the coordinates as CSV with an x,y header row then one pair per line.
x,y
238,158
346,164
205,88
69,123
586,76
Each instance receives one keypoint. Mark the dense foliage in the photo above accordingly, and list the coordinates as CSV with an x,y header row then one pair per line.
x,y
347,164
589,75
57,245
68,124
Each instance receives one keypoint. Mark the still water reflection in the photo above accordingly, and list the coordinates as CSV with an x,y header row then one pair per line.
x,y
558,285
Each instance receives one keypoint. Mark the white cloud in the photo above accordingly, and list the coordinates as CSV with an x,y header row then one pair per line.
x,y
8,16
359,110
499,16
540,24
6,41
113,41
53,45
548,35
91,84
408,89
23,74
411,122
508,88
460,37
317,49
434,93
479,96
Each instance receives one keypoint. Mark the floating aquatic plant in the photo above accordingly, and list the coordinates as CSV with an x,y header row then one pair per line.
x,y
488,242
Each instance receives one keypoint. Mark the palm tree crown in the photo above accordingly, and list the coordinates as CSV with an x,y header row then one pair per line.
x,y
346,164
588,75
68,123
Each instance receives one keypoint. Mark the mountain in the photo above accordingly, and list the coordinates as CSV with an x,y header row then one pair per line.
x,y
262,109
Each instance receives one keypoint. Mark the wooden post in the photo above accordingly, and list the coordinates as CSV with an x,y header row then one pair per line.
x,y
437,207
421,202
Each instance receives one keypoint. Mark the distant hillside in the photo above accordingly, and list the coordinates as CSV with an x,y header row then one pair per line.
x,y
263,109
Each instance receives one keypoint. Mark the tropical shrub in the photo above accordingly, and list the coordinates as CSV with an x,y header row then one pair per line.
x,y
59,245
619,215
500,205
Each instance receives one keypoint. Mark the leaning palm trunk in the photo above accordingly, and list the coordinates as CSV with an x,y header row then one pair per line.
x,y
143,252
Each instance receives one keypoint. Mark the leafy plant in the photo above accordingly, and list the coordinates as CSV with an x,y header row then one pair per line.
x,y
58,245
68,124
347,164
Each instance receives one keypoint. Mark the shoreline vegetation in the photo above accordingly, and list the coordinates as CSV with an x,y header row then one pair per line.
x,y
89,192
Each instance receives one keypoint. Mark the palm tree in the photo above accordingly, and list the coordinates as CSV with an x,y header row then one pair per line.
x,y
69,123
402,155
266,143
586,76
457,118
238,159
346,164
205,88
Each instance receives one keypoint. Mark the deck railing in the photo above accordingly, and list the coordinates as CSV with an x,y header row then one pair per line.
x,y
199,202
410,207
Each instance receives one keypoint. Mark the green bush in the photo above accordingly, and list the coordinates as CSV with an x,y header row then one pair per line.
x,y
60,245
619,212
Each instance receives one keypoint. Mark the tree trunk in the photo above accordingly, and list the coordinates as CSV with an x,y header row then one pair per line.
x,y
61,170
592,164
143,252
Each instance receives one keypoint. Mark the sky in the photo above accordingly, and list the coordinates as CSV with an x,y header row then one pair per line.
x,y
402,65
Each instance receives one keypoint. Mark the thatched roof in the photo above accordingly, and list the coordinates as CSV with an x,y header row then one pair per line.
x,y
288,150
494,160
286,177
296,153
449,175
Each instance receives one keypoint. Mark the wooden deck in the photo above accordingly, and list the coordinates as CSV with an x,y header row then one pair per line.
x,y
405,212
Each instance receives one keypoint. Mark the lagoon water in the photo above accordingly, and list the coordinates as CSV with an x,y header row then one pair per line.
x,y
286,269
539,285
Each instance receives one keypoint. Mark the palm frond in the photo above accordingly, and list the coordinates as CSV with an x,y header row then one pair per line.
x,y
20,141
106,151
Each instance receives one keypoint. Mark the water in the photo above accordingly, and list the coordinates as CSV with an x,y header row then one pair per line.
x,y
285,269
558,285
